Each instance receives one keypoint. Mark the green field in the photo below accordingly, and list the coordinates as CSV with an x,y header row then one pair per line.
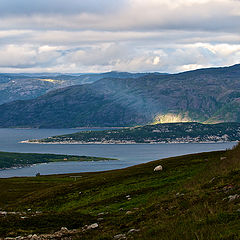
x,y
195,197
9,159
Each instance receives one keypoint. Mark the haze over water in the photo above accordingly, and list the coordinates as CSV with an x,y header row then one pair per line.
x,y
127,154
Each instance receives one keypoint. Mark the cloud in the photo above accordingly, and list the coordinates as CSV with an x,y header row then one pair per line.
x,y
45,7
117,56
120,14
132,15
123,35
26,56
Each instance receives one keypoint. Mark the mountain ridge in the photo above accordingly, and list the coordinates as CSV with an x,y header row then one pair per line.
x,y
204,95
25,86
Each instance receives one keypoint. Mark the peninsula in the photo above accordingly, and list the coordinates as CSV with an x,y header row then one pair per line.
x,y
10,160
159,133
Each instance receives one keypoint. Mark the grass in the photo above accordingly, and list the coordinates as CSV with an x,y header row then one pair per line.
x,y
189,199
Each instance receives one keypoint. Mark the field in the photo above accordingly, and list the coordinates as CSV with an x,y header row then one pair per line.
x,y
194,197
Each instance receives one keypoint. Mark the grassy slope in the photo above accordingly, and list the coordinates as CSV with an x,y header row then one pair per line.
x,y
187,200
9,159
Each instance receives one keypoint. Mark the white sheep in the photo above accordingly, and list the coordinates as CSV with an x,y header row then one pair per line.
x,y
158,168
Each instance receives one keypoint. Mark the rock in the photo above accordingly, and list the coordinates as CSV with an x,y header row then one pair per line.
x,y
158,168
223,158
101,213
120,236
64,230
179,194
228,188
129,212
34,236
92,226
100,219
212,180
133,231
233,197
128,196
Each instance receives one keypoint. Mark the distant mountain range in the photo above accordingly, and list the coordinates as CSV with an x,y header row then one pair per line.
x,y
25,86
206,95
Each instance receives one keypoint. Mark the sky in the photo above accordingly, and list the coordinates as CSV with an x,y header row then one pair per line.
x,y
79,36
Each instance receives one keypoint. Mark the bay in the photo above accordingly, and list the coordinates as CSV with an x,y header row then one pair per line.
x,y
127,154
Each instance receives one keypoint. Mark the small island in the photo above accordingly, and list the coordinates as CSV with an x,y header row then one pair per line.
x,y
11,160
189,132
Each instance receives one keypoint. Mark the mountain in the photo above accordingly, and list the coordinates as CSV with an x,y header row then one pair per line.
x,y
206,95
31,85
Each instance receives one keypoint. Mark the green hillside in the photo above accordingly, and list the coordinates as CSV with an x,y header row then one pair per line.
x,y
194,197
158,133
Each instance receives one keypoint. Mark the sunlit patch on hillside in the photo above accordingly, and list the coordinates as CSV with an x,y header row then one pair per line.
x,y
172,118
49,80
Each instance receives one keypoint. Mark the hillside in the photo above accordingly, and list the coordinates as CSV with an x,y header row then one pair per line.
x,y
194,197
158,133
206,95
28,86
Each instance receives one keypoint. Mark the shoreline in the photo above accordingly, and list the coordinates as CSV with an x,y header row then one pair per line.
x,y
74,128
34,164
121,143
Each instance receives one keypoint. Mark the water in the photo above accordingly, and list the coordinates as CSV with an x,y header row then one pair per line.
x,y
128,154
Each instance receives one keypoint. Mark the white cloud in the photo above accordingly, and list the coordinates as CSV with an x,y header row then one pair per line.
x,y
124,35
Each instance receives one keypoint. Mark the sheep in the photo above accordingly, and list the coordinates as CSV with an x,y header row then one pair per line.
x,y
158,168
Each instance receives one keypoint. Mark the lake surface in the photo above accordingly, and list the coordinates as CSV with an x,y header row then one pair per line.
x,y
128,154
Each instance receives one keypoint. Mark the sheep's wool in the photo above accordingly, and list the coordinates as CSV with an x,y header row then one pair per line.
x,y
158,168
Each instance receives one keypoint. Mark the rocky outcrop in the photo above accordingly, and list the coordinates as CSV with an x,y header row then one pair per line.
x,y
63,234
